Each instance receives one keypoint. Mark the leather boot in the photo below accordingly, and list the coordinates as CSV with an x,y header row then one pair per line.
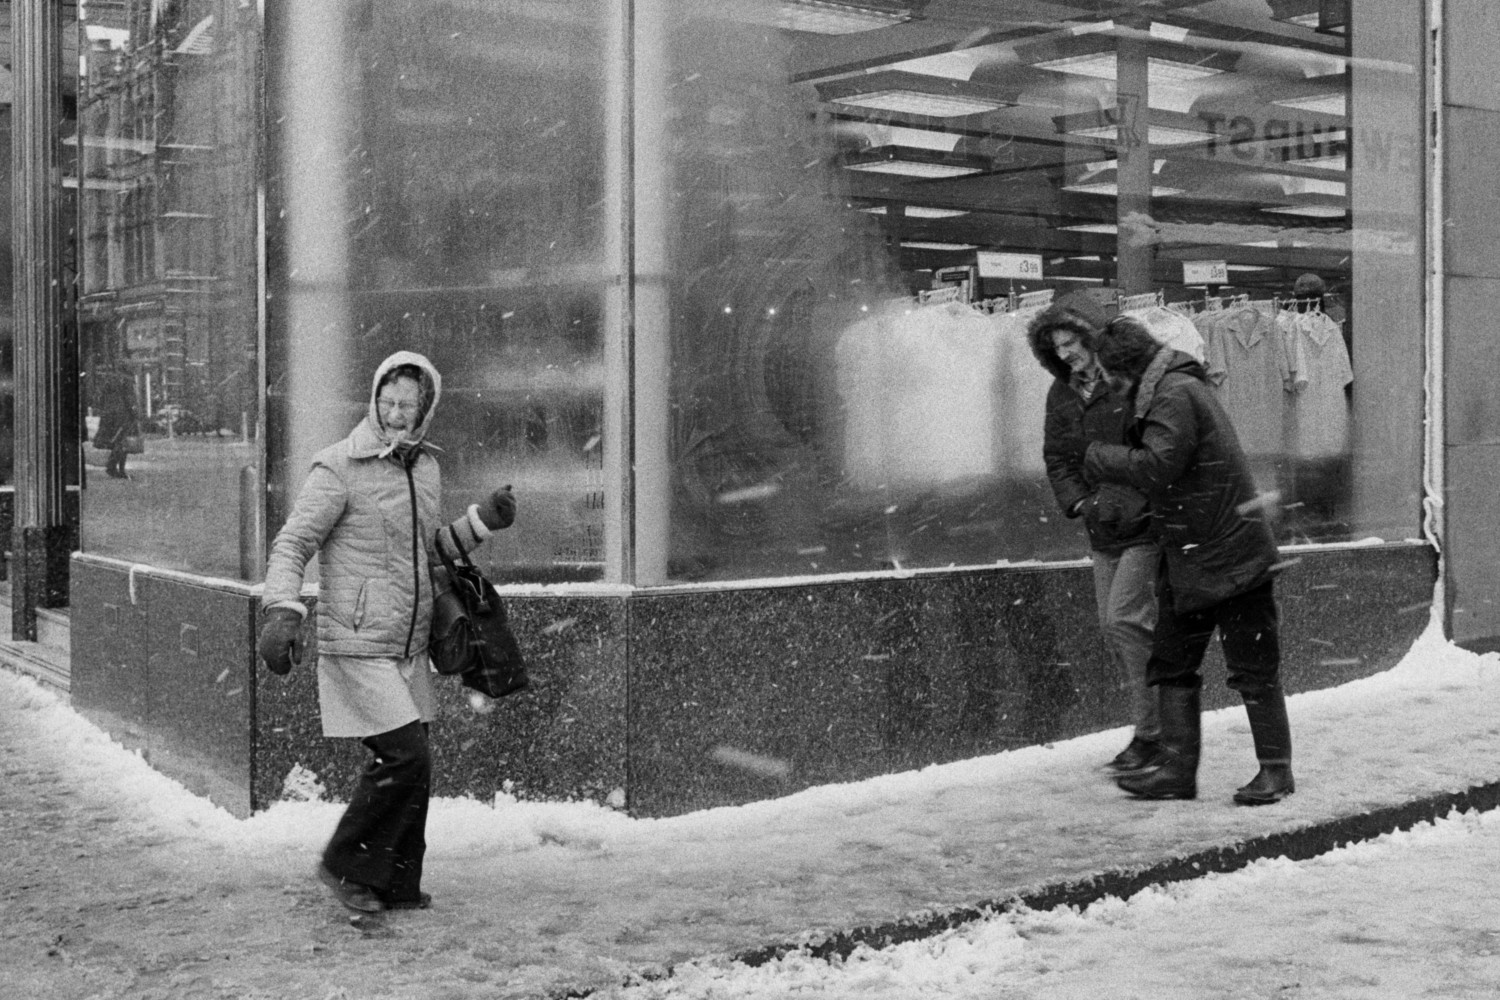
x,y
1177,775
1273,748
1138,756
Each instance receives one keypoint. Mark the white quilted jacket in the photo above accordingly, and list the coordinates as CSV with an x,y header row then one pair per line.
x,y
370,516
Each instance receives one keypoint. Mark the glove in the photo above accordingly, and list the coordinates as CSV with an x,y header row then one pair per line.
x,y
499,510
281,640
1084,506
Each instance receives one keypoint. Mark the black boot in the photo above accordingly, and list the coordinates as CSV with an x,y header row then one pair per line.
x,y
1273,748
1176,777
1138,756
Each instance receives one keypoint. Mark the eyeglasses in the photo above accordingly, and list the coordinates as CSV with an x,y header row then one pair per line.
x,y
399,405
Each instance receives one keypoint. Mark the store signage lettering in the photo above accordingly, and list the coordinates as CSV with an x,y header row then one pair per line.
x,y
1024,266
1205,272
1374,149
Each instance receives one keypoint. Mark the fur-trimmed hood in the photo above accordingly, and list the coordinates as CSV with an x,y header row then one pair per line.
x,y
1076,311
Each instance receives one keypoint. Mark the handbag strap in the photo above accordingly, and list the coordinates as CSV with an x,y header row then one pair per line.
x,y
463,556
448,563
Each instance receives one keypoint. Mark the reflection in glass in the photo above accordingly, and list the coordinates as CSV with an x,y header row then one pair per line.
x,y
861,219
437,186
167,150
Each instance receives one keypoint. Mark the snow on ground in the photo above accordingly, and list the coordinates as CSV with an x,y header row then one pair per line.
x,y
126,885
1407,915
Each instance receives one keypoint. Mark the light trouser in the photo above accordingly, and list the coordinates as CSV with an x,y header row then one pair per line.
x,y
1125,590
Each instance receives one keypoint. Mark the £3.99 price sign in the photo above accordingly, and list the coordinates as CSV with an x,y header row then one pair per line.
x,y
1017,266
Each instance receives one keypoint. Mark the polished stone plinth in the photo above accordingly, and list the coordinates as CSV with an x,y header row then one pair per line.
x,y
668,701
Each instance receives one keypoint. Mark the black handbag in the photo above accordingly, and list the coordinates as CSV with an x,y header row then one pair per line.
x,y
471,634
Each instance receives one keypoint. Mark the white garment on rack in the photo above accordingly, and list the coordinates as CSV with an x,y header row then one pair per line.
x,y
1245,343
1020,395
916,383
1319,407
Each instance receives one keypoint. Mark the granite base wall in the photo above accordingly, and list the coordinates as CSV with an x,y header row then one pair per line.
x,y
670,701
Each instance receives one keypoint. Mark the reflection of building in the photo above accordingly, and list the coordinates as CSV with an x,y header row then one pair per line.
x,y
167,271
637,274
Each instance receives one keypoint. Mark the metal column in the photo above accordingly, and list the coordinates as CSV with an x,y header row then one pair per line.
x,y
41,540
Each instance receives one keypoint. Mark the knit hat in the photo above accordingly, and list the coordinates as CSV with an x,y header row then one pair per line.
x,y
1308,285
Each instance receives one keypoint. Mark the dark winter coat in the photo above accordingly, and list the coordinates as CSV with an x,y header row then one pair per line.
x,y
117,420
1113,513
1183,453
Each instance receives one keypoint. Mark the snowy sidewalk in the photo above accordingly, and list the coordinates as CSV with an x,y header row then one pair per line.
x,y
125,885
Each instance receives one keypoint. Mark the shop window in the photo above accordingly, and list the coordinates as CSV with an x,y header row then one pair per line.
x,y
168,149
437,184
863,204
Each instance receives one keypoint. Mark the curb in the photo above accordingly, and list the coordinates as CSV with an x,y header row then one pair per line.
x,y
1296,845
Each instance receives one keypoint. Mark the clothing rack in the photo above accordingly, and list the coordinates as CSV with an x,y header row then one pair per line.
x,y
1315,302
1016,301
1032,300
937,296
1145,300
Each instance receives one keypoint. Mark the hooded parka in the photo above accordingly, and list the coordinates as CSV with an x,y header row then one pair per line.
x,y
1113,513
1183,453
369,510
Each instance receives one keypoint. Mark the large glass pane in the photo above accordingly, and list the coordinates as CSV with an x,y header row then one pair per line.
x,y
437,185
168,159
860,205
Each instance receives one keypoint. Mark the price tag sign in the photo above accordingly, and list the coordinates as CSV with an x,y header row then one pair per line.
x,y
1205,272
1025,266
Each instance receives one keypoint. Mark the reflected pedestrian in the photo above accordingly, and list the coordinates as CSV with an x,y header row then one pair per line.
x,y
1082,403
118,427
1220,558
369,509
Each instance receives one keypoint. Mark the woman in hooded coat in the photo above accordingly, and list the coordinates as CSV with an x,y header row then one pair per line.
x,y
1065,339
369,510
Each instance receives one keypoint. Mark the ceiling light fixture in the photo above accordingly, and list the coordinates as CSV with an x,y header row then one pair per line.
x,y
1094,54
1163,128
1310,211
1112,189
929,245
1330,17
906,161
1320,104
1312,206
913,94
1103,179
823,17
919,212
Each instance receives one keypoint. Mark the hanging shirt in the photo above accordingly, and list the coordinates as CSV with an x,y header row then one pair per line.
x,y
1319,407
918,402
1258,374
1020,394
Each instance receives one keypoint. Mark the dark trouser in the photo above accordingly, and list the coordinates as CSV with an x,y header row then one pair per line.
x,y
116,463
1247,625
380,840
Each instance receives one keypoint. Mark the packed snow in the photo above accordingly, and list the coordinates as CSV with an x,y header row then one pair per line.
x,y
126,885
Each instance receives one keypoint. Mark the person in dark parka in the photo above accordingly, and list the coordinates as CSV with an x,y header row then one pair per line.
x,y
1064,337
1220,560
117,422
